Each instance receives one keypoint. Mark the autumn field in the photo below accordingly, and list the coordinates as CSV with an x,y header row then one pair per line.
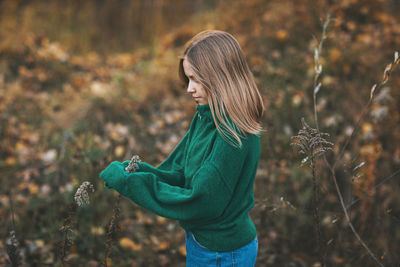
x,y
84,84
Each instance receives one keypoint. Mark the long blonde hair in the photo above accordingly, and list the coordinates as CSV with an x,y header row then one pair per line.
x,y
219,66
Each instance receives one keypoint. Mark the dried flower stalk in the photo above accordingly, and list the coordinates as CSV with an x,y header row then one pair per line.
x,y
313,144
82,196
112,226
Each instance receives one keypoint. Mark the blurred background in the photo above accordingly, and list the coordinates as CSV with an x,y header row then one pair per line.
x,y
84,83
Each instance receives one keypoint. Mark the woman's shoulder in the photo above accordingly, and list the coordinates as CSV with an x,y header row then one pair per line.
x,y
247,141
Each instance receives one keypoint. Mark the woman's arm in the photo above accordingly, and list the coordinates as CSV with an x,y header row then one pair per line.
x,y
211,189
170,170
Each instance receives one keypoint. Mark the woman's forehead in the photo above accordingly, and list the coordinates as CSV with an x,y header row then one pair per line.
x,y
187,67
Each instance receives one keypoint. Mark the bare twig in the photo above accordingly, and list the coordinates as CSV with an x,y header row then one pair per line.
x,y
347,215
376,186
374,89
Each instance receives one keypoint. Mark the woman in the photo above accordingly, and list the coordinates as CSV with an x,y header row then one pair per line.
x,y
207,181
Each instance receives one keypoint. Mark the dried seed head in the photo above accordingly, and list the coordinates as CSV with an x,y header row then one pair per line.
x,y
133,165
82,196
311,142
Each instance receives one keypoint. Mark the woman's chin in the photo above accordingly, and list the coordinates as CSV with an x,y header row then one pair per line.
x,y
200,102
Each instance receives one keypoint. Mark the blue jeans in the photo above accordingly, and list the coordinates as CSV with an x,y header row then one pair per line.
x,y
199,256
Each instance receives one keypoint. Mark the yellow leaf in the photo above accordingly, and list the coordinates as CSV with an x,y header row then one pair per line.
x,y
182,250
282,35
367,127
33,188
148,220
21,186
163,245
161,220
127,243
20,145
335,55
11,161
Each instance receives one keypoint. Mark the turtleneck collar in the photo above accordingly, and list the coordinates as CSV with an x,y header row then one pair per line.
x,y
204,111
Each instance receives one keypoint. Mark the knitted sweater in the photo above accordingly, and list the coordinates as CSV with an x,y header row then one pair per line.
x,y
205,183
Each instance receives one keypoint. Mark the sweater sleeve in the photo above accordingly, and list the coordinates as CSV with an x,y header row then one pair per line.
x,y
170,170
210,192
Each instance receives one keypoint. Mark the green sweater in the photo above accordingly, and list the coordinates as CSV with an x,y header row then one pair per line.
x,y
205,183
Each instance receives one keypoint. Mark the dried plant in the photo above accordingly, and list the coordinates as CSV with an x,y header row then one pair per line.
x,y
133,164
303,140
82,196
112,226
332,167
312,144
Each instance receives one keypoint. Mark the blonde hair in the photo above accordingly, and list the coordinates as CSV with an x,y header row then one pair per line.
x,y
219,66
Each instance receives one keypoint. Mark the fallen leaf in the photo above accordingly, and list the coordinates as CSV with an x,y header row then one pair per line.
x,y
163,245
182,250
11,161
128,243
33,188
282,35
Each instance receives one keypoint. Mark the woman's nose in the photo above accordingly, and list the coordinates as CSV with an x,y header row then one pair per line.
x,y
190,88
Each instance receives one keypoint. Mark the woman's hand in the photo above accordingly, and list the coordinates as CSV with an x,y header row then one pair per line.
x,y
115,174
